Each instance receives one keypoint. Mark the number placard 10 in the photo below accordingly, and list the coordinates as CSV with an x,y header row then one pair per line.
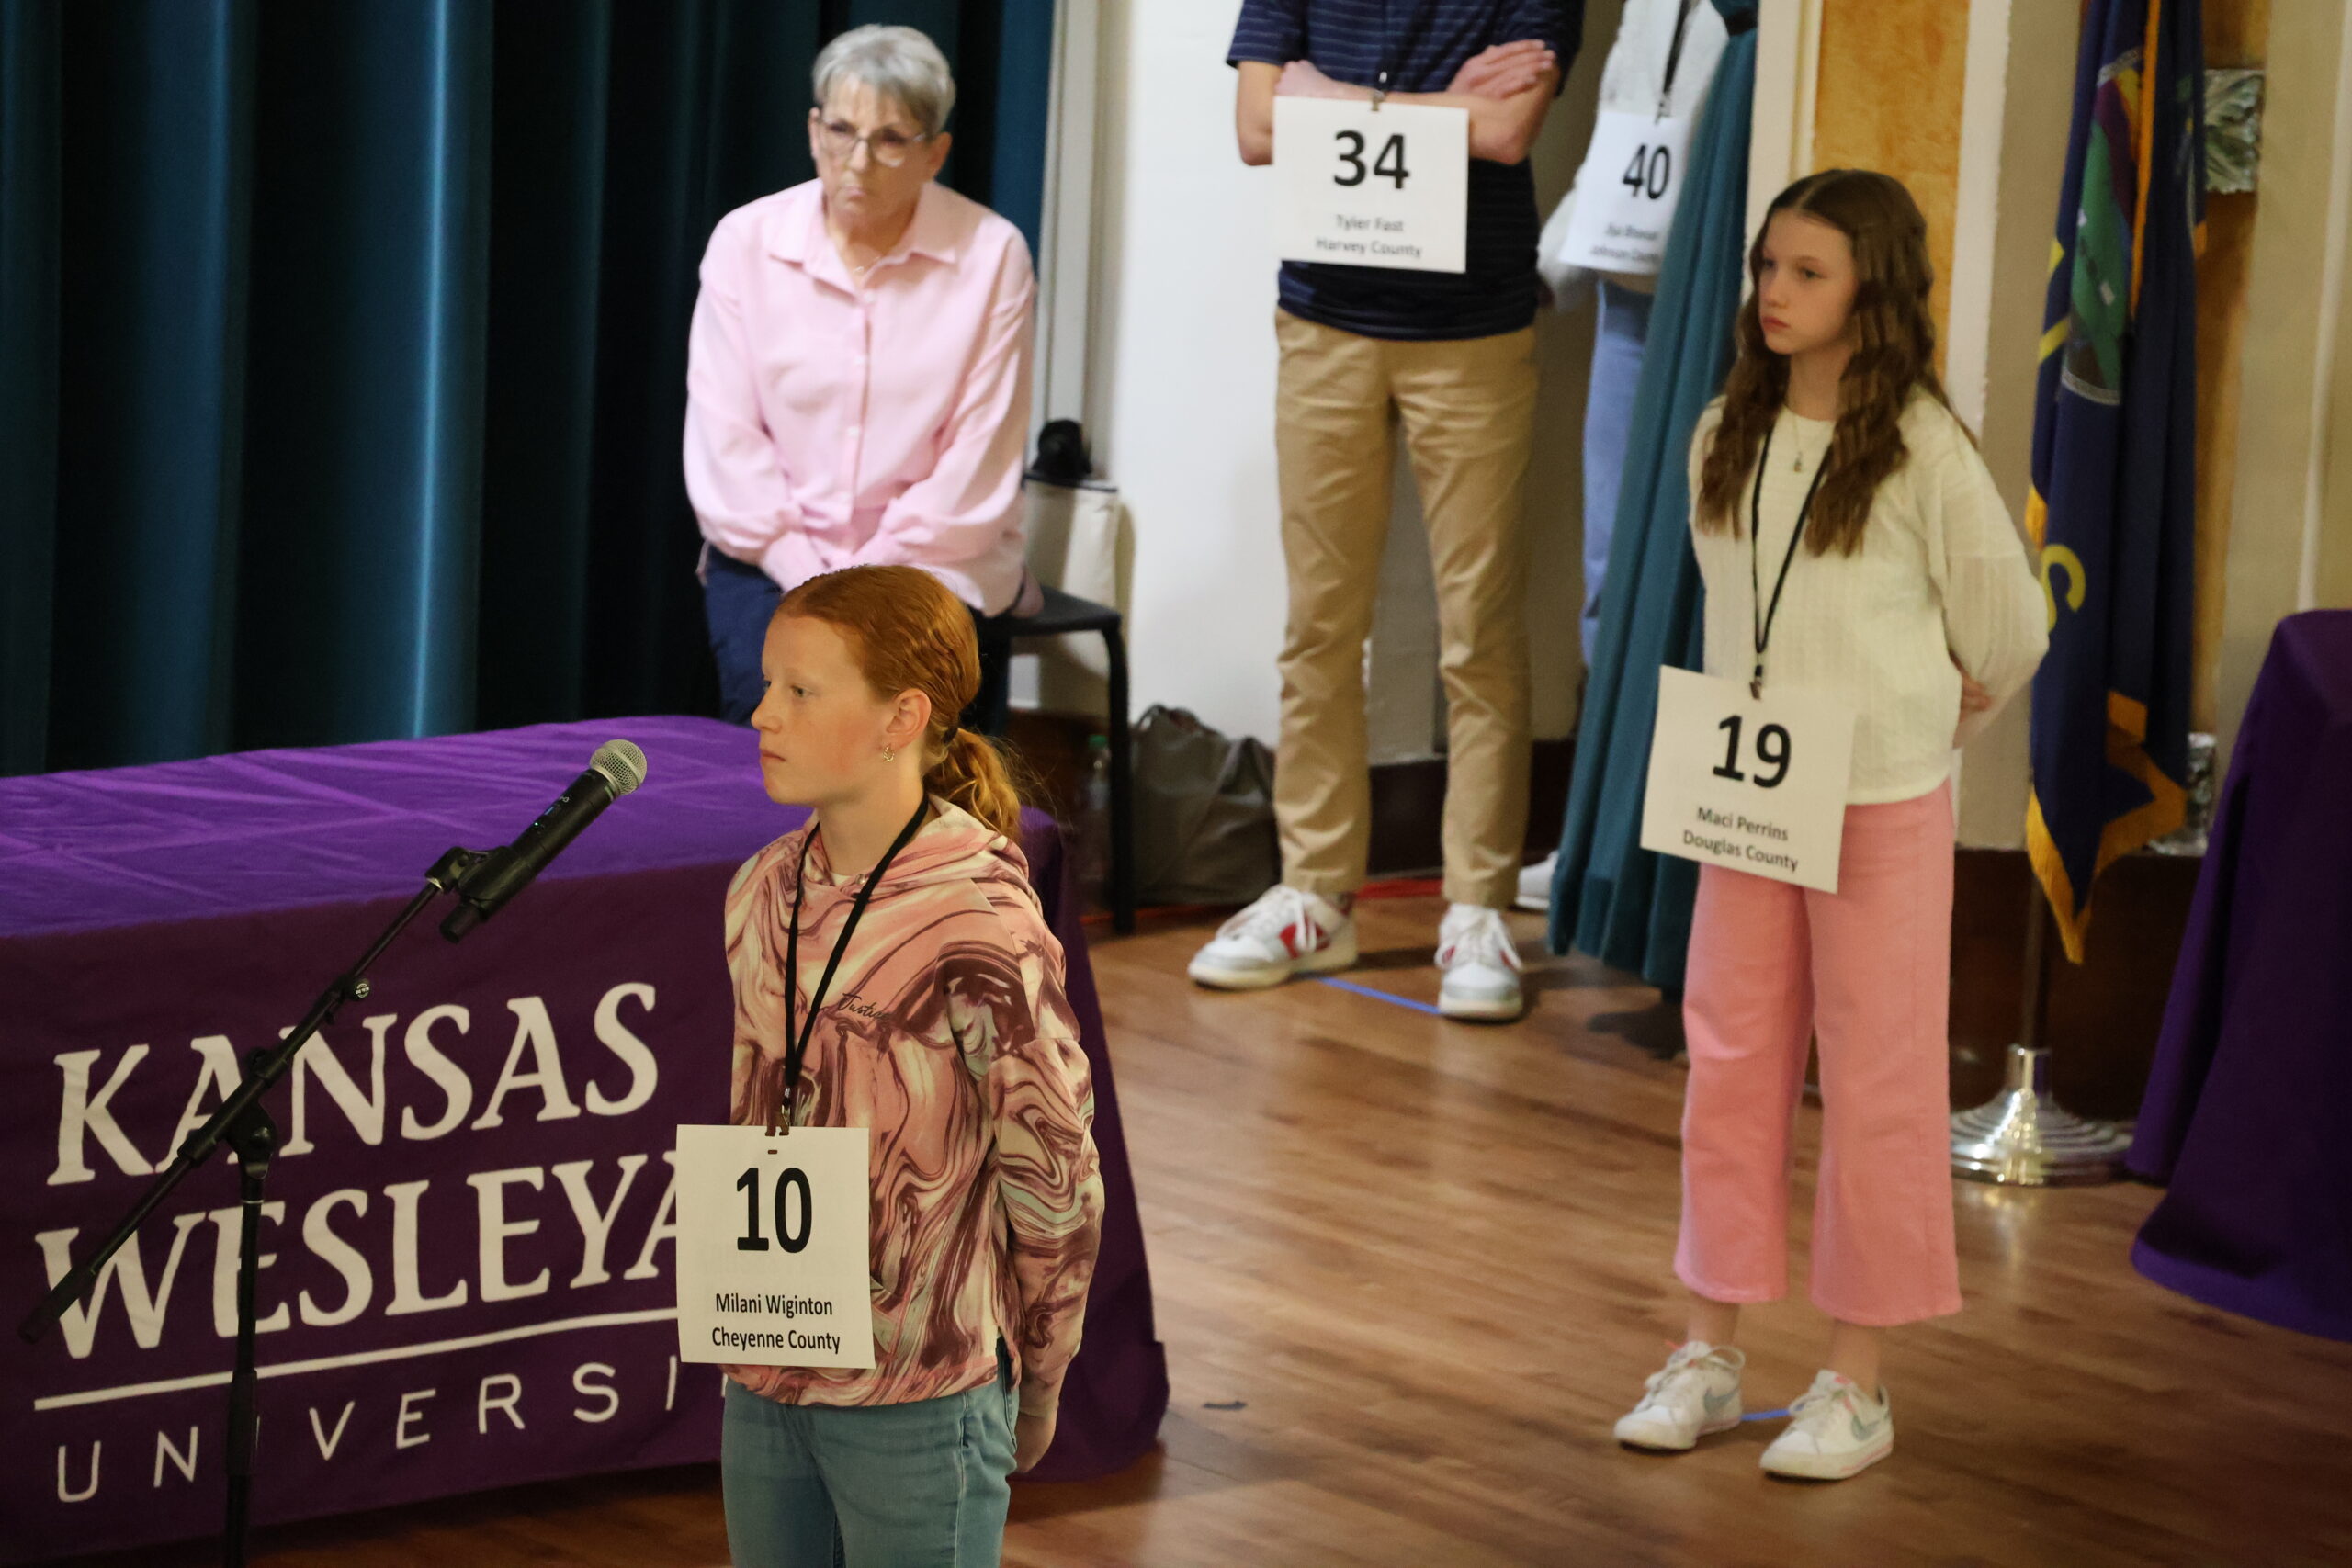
x,y
772,1248
1362,186
789,1182
1757,785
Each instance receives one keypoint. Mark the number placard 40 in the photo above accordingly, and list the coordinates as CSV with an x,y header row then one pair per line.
x,y
1651,174
1626,193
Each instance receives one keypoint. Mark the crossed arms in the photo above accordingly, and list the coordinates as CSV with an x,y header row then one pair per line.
x,y
1506,90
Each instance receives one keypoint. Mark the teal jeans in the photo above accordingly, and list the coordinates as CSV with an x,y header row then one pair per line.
x,y
921,1486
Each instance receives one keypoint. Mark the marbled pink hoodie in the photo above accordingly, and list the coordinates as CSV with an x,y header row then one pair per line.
x,y
946,1032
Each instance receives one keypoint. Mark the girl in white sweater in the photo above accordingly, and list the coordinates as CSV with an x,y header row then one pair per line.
x,y
1909,600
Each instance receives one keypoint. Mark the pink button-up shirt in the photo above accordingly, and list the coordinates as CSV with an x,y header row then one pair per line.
x,y
833,424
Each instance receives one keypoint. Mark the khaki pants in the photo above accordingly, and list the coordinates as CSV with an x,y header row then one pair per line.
x,y
1467,409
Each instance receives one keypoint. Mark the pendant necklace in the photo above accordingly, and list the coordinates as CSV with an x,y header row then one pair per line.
x,y
1796,458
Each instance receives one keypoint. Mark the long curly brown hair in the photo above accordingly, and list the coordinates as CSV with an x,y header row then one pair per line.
x,y
1895,353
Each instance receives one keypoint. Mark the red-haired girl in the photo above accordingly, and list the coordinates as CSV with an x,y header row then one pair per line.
x,y
898,928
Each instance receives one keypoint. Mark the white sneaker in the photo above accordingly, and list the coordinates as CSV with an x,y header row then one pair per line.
x,y
1697,1394
1480,963
1836,1430
1285,933
1535,885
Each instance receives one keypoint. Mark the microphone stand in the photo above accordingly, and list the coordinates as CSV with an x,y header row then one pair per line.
x,y
242,1124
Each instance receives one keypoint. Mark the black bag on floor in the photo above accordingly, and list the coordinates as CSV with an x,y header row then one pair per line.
x,y
1205,812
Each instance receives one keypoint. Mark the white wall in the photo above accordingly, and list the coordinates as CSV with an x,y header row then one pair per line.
x,y
1181,396
1181,392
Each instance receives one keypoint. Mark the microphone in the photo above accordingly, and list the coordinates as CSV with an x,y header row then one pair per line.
x,y
618,768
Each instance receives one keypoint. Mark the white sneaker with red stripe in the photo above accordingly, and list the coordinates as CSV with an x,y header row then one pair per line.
x,y
1285,933
1480,963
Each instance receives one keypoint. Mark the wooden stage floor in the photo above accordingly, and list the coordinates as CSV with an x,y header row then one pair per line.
x,y
1409,1271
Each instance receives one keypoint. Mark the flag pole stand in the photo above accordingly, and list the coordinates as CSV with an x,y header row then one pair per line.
x,y
2022,1138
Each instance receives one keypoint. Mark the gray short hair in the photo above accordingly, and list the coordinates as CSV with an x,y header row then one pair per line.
x,y
901,64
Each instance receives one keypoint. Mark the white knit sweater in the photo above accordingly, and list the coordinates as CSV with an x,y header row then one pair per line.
x,y
1941,573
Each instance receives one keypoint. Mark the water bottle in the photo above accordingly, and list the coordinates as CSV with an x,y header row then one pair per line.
x,y
1094,822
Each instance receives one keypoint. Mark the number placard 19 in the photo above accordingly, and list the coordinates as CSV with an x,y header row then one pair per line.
x,y
1757,785
772,1248
1372,187
1771,750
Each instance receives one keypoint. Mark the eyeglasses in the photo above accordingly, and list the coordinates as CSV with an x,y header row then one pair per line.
x,y
889,148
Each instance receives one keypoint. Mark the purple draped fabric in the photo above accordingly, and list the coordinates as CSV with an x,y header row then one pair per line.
x,y
465,1281
2251,1094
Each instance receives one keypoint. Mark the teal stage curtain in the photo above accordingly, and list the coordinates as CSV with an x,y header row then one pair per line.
x,y
1610,897
343,347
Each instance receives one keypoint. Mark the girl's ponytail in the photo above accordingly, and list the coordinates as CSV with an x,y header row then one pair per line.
x,y
971,774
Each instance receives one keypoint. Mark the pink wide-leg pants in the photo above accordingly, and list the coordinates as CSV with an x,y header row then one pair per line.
x,y
1866,971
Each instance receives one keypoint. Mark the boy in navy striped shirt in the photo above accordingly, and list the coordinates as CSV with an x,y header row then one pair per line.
x,y
1452,354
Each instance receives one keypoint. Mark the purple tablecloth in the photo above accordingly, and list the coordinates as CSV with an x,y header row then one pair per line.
x,y
2251,1096
466,1283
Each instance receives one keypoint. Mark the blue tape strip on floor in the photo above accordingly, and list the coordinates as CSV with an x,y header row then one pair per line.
x,y
1380,996
1351,987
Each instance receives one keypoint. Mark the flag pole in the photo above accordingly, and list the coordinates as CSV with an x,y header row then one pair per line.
x,y
2022,1136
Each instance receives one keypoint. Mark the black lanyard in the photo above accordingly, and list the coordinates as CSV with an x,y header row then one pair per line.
x,y
795,1042
1392,48
1762,618
1674,58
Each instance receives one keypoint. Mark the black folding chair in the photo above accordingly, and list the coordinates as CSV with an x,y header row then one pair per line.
x,y
1064,613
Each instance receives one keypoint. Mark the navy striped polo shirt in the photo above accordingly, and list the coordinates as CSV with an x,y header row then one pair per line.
x,y
1422,43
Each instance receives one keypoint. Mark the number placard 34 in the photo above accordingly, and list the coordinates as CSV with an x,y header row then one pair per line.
x,y
1372,187
1389,165
1757,784
772,1248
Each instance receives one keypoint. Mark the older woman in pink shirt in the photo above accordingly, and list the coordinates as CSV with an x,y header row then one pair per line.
x,y
857,377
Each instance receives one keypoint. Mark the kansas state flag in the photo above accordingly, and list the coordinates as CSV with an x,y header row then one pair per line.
x,y
2114,454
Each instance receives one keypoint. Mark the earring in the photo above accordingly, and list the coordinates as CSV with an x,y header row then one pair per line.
x,y
889,755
